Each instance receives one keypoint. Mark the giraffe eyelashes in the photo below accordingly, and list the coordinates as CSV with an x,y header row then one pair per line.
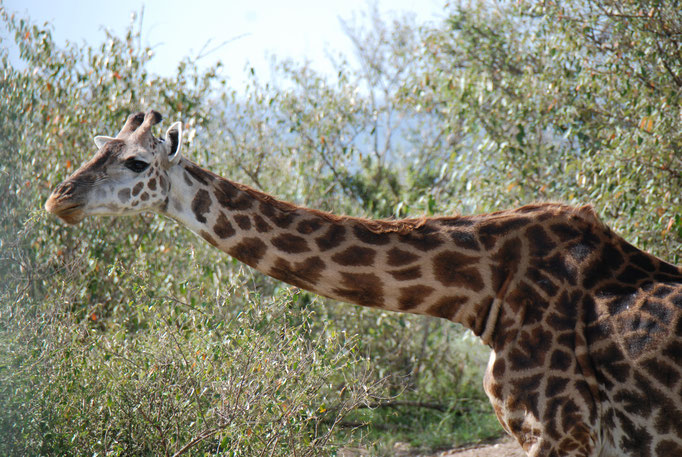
x,y
138,166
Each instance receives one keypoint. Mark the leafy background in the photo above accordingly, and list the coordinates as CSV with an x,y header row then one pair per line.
x,y
132,337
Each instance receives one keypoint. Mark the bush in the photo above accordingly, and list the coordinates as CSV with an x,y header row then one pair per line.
x,y
197,380
128,336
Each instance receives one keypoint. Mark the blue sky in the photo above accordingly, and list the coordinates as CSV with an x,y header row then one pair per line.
x,y
300,29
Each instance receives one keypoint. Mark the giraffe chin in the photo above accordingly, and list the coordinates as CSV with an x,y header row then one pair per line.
x,y
72,218
71,214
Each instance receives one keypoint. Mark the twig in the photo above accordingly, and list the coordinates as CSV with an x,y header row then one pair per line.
x,y
398,403
198,439
676,78
158,428
203,53
414,404
422,351
194,390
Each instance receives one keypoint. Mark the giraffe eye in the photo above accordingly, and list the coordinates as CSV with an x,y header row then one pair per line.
x,y
135,165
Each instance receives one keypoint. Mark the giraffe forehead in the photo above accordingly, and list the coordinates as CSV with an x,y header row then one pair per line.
x,y
146,149
138,152
108,154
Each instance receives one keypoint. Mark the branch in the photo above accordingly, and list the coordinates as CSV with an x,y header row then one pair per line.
x,y
203,52
676,78
413,404
162,434
398,403
198,439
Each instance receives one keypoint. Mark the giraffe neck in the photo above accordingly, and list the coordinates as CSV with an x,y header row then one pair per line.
x,y
430,266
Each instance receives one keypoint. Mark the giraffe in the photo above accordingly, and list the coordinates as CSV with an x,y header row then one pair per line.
x,y
585,329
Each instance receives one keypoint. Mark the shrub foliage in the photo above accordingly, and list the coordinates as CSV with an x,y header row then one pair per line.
x,y
131,337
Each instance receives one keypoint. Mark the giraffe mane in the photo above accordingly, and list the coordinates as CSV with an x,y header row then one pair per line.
x,y
378,226
399,226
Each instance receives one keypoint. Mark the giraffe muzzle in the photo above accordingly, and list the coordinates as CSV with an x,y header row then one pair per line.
x,y
62,204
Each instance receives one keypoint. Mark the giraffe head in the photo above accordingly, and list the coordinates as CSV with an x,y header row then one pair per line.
x,y
127,175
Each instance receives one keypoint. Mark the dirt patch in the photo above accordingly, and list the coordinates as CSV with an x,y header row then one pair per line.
x,y
506,447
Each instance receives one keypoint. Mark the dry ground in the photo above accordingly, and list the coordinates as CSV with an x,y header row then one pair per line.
x,y
504,448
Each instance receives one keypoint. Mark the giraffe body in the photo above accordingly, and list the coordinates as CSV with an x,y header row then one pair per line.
x,y
586,330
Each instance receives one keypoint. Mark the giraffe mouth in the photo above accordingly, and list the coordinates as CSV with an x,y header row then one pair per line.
x,y
71,213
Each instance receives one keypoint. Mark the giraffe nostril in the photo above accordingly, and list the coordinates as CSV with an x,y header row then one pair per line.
x,y
66,203
64,189
61,197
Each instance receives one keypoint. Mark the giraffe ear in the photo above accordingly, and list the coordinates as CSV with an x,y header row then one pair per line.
x,y
173,140
100,140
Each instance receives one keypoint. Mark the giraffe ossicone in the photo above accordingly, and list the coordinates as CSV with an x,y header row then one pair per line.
x,y
585,329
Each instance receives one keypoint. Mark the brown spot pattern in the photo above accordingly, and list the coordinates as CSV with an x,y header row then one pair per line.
x,y
499,367
447,307
355,256
249,250
261,225
564,231
200,205
465,239
198,173
292,244
413,296
368,236
308,226
137,189
208,237
424,239
333,237
453,268
302,274
507,260
406,273
279,217
243,221
222,227
228,196
364,289
539,241
490,232
398,257
481,314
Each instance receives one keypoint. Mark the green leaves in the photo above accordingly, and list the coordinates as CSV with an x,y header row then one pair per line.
x,y
117,321
547,88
